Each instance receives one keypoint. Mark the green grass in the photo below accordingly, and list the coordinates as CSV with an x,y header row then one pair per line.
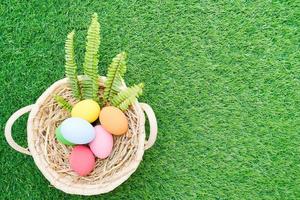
x,y
223,79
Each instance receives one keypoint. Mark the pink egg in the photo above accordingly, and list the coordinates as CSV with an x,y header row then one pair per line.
x,y
82,160
102,145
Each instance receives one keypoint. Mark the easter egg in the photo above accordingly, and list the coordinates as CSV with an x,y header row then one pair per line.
x,y
82,160
87,109
77,130
102,145
60,138
113,120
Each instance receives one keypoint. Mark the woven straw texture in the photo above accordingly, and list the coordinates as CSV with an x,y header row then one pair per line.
x,y
51,157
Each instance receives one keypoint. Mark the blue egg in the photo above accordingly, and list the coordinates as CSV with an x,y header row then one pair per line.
x,y
77,130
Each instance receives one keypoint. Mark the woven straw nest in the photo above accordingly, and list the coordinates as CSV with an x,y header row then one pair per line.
x,y
51,157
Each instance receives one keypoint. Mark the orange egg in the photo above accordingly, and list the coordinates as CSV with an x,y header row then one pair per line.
x,y
113,120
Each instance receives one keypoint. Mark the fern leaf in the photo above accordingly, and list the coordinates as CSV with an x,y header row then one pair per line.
x,y
127,97
90,66
71,67
63,103
115,74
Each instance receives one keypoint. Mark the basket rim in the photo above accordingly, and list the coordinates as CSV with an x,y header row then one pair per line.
x,y
62,183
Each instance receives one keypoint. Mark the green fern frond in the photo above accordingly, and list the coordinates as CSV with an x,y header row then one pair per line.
x,y
115,74
63,103
91,83
71,67
127,97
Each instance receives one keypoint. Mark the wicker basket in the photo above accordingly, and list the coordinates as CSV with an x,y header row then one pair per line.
x,y
51,157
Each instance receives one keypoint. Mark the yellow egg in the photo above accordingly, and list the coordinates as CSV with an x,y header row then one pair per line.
x,y
113,120
87,109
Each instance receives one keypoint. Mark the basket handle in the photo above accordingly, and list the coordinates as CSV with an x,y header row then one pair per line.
x,y
153,125
9,125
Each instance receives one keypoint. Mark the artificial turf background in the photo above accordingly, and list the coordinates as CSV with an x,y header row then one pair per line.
x,y
223,79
